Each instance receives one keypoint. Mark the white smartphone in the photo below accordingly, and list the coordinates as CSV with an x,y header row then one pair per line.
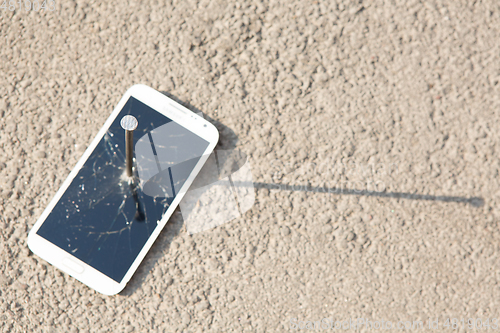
x,y
101,223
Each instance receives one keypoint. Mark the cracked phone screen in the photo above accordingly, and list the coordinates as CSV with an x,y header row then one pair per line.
x,y
101,218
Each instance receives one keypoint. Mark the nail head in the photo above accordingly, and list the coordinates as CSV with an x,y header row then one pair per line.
x,y
129,123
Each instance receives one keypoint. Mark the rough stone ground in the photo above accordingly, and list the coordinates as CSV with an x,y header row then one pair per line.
x,y
316,92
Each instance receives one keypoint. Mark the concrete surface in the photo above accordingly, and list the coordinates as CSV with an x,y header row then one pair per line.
x,y
315,92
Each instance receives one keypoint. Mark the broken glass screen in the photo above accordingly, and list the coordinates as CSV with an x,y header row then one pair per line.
x,y
104,220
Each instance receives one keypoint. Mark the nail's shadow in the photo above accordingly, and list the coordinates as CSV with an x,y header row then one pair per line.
x,y
473,201
227,141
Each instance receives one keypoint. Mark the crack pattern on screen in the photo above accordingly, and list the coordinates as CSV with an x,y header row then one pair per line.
x,y
106,183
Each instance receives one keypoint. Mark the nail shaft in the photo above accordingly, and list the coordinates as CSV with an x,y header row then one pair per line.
x,y
129,144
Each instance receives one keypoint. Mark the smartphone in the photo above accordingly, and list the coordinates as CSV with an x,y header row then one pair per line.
x,y
101,222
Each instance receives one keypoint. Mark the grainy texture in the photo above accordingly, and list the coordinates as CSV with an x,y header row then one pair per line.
x,y
315,92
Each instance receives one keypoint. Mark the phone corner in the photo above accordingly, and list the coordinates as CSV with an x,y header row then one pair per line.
x,y
112,290
216,133
120,288
138,88
31,235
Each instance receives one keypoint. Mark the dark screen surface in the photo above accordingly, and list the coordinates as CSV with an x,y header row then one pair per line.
x,y
104,220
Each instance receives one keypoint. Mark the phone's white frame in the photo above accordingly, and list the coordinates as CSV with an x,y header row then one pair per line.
x,y
77,268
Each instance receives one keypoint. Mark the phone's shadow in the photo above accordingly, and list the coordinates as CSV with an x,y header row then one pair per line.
x,y
161,247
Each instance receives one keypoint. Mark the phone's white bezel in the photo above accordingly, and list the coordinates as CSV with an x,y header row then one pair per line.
x,y
90,276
